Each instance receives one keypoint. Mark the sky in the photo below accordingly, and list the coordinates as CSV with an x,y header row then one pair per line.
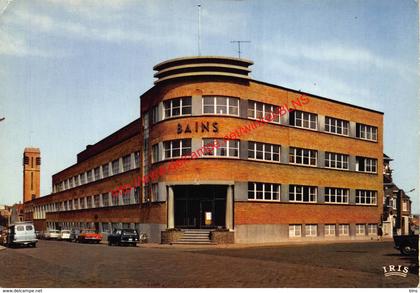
x,y
71,72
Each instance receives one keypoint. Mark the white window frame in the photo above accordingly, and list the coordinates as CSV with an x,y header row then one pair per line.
x,y
229,105
105,166
294,194
370,165
267,109
333,160
295,230
266,189
328,228
117,161
266,149
367,132
183,146
366,197
343,230
211,150
295,153
126,163
372,229
305,118
335,192
311,230
333,124
360,230
181,107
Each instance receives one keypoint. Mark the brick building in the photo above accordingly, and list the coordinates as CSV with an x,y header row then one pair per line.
x,y
310,172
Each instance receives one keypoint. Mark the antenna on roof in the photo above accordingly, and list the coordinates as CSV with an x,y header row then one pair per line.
x,y
239,46
199,30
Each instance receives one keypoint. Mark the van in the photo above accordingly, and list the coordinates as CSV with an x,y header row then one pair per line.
x,y
22,233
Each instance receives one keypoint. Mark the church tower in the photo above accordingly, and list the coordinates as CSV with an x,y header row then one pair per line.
x,y
31,173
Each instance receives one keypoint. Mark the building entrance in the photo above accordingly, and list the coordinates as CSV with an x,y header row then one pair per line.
x,y
200,206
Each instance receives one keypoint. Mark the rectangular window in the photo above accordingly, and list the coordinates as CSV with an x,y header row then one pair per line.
x,y
137,160
336,126
263,151
177,107
127,163
307,157
66,186
155,114
366,132
115,167
329,230
155,153
126,196
311,230
71,182
336,195
70,205
367,165
343,230
176,148
336,161
263,191
82,203
97,173
295,231
89,202
105,199
105,170
115,198
97,201
221,105
366,197
257,110
360,230
303,119
82,178
220,148
154,192
405,206
300,193
106,228
76,204
89,176
137,195
372,229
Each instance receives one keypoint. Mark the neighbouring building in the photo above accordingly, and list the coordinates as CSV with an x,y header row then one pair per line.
x,y
396,217
310,173
31,174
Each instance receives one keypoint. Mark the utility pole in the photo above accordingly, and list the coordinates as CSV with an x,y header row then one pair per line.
x,y
239,46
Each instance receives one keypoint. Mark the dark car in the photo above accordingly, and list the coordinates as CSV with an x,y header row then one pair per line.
x,y
123,237
407,244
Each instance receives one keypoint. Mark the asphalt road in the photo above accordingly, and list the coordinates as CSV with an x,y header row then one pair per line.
x,y
63,264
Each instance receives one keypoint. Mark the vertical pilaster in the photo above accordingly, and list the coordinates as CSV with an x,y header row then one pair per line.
x,y
229,208
170,201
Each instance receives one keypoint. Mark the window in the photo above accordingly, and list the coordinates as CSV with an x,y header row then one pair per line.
x,y
82,178
105,170
303,119
89,202
176,148
300,156
97,173
115,199
311,230
343,230
336,195
155,153
66,185
336,126
38,161
360,230
367,197
263,151
76,180
126,196
263,191
106,228
155,114
76,204
115,166
336,161
295,230
394,203
154,192
367,165
221,105
105,199
89,176
220,148
82,203
372,229
177,107
329,230
366,132
257,110
97,201
127,163
71,182
70,205
137,159
300,193
405,206
137,195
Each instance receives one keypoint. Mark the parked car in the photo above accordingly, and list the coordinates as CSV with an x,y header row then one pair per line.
x,y
406,244
51,234
123,237
65,235
21,234
89,236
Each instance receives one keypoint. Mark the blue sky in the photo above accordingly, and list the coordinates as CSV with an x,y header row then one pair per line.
x,y
71,72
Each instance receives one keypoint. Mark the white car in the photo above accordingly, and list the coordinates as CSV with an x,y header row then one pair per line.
x,y
51,234
65,235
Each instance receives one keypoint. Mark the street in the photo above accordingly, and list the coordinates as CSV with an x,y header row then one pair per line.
x,y
64,264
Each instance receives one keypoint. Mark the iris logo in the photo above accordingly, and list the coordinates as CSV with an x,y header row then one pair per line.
x,y
391,270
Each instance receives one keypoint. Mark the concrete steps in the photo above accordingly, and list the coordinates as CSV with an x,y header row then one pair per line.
x,y
192,237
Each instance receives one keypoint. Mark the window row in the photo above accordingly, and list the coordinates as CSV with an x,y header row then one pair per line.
x,y
222,105
103,227
311,230
120,165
